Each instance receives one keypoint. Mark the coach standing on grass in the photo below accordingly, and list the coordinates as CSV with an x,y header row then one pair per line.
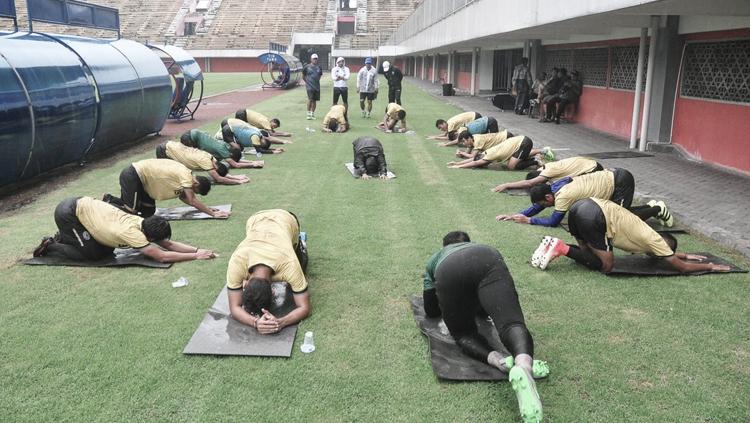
x,y
312,74
394,77
340,76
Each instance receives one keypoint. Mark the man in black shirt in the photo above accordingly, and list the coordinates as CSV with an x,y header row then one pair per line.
x,y
369,158
394,77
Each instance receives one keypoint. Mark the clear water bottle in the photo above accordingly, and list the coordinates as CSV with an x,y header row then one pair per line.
x,y
179,283
308,129
258,154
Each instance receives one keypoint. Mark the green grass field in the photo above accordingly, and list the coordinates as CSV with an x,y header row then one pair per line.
x,y
221,82
82,344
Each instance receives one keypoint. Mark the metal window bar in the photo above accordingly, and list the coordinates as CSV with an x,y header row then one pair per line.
x,y
8,10
98,14
428,13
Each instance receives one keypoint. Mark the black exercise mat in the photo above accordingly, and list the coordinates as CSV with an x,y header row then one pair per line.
x,y
350,168
627,154
649,266
448,361
654,224
219,334
189,212
519,192
121,257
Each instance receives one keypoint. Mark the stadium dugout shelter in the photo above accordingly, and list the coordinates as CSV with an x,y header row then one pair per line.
x,y
67,97
187,78
281,70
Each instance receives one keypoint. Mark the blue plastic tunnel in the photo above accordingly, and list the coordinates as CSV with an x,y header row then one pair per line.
x,y
63,97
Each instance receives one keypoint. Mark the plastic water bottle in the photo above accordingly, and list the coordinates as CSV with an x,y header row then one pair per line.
x,y
308,345
303,236
258,154
308,129
180,282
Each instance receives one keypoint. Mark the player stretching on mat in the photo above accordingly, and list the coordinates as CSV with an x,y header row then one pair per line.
x,y
369,158
90,229
464,278
452,124
518,151
394,114
336,120
196,159
599,225
271,251
261,121
617,185
554,171
479,143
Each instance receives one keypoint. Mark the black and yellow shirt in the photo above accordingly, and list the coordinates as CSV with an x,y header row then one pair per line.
x,y
573,166
271,237
392,110
504,150
192,158
629,233
109,225
163,178
460,120
483,142
258,120
336,113
594,185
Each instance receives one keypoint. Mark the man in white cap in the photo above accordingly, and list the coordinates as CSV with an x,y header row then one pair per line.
x,y
312,73
394,77
340,76
367,86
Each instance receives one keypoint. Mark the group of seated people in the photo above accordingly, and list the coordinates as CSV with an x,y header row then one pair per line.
x,y
555,93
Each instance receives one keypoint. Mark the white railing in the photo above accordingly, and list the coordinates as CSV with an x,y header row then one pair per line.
x,y
427,14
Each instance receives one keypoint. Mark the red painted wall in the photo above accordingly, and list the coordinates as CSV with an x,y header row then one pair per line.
x,y
607,110
463,80
713,132
234,64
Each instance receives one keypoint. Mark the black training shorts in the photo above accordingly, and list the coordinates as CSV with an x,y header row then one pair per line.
x,y
624,188
586,221
313,95
367,96
524,149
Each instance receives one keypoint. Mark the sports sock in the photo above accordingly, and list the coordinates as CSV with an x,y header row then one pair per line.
x,y
585,258
645,212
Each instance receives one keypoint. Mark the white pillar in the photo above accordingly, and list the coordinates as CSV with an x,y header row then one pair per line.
x,y
638,84
649,82
473,90
450,68
415,66
422,70
434,68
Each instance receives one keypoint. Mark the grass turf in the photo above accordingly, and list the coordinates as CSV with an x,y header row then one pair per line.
x,y
82,344
221,82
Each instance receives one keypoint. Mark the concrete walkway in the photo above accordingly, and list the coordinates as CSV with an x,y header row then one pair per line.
x,y
707,200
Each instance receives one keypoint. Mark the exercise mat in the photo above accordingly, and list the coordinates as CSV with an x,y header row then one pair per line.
x,y
121,257
650,266
448,361
189,212
617,154
220,334
350,168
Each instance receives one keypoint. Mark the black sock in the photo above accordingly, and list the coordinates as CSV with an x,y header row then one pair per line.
x,y
525,163
645,212
585,258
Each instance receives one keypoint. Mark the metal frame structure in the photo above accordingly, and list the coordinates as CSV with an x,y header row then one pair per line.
x,y
73,13
282,70
184,72
8,10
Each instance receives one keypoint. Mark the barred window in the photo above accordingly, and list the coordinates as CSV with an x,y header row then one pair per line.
x,y
717,70
558,59
592,64
625,67
464,62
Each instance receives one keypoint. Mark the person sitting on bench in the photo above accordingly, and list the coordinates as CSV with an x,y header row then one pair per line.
x,y
554,171
394,113
599,225
478,143
518,151
231,152
261,121
463,280
195,159
452,124
246,135
271,251
369,158
148,180
617,185
336,120
483,125
90,229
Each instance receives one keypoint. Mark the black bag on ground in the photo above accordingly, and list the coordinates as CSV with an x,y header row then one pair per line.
x,y
504,101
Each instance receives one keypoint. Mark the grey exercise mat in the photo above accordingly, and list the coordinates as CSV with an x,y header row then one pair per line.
x,y
189,212
448,361
627,154
519,192
121,257
220,334
654,224
350,168
649,266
